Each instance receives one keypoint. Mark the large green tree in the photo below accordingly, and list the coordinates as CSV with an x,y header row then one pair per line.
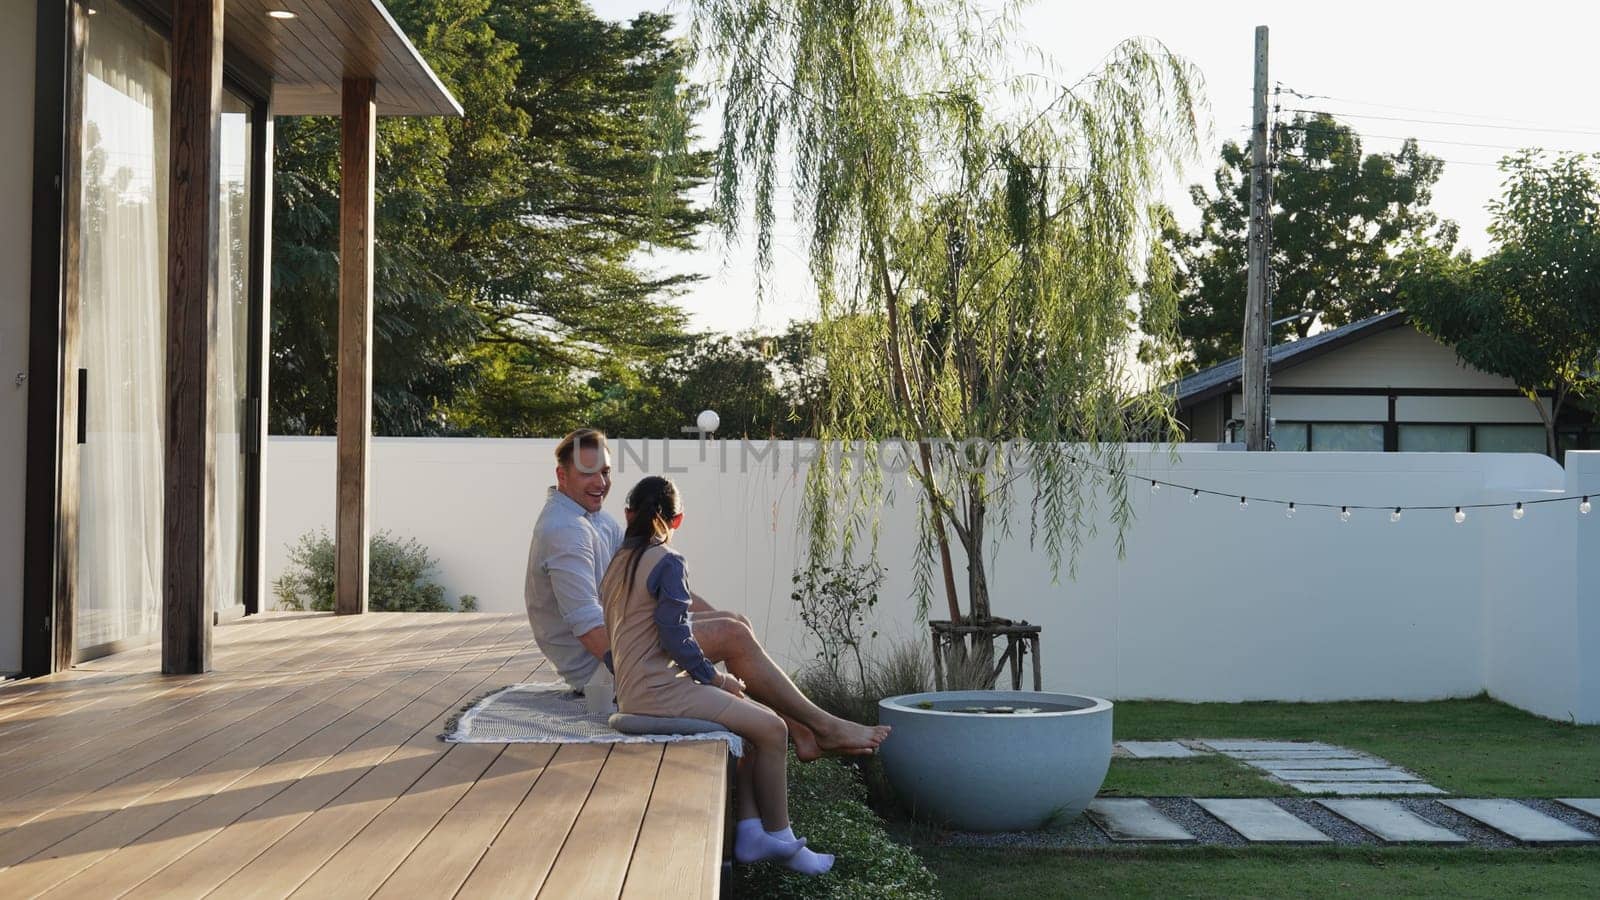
x,y
517,227
1341,219
1530,310
973,250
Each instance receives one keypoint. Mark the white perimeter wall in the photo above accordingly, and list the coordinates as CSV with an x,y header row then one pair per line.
x,y
16,232
1210,602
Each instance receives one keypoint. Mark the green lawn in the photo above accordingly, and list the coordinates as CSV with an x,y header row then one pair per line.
x,y
1264,872
1477,747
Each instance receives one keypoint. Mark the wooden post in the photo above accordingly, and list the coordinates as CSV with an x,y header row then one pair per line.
x,y
188,549
358,132
1258,300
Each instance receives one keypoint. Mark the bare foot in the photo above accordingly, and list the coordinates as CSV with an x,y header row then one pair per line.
x,y
851,738
805,743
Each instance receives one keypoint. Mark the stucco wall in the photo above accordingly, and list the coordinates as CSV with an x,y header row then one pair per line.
x,y
16,224
1210,603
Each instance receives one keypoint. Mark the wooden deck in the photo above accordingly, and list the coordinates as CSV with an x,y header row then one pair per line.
x,y
308,764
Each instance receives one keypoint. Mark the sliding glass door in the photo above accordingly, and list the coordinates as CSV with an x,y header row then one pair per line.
x,y
122,321
122,313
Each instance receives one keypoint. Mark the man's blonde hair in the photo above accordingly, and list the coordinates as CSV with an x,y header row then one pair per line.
x,y
583,438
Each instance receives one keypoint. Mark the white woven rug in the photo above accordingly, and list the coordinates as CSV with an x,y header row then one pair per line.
x,y
550,713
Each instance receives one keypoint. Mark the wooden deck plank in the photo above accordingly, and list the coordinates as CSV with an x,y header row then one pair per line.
x,y
361,866
673,857
68,694
324,775
244,859
516,865
80,835
67,775
448,854
610,820
131,865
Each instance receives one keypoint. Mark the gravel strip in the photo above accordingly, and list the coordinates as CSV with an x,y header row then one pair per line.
x,y
1209,831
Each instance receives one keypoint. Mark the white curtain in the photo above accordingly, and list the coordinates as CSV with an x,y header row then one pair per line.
x,y
123,321
229,389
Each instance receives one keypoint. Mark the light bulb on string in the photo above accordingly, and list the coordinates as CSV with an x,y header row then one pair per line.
x,y
1460,516
1194,496
1584,506
1344,513
1155,486
1395,516
1244,503
1519,512
1289,513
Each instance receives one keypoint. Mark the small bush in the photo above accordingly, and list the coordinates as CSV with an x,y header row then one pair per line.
x,y
905,670
827,805
399,579
467,603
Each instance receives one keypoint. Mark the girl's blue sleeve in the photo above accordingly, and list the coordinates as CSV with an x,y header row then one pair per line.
x,y
668,582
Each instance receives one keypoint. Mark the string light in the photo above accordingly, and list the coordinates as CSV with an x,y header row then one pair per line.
x,y
1194,496
1244,503
1344,513
1395,516
1584,506
1155,486
1289,513
1460,516
1519,512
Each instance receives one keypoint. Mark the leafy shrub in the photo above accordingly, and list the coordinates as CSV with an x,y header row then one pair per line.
x,y
827,803
834,602
399,579
467,603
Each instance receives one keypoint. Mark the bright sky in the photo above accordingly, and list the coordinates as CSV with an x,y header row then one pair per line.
x,y
1469,87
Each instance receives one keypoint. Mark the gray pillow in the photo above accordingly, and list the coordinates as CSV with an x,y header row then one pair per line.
x,y
632,723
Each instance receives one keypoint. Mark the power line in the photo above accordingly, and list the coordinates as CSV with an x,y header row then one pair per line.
x,y
1420,109
1348,115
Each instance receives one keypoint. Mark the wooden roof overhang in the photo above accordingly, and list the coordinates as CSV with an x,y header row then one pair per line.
x,y
309,57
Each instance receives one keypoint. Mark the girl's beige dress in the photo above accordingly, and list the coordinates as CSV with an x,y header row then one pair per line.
x,y
648,681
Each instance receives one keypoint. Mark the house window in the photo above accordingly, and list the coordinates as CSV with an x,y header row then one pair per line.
x,y
1435,438
1290,436
1510,439
1359,436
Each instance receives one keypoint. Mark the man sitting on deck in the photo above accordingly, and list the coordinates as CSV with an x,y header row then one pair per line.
x,y
573,542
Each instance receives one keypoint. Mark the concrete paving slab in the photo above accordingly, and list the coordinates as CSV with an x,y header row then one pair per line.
x,y
1365,788
1592,807
1524,823
1359,775
1226,745
1263,822
1391,822
1130,819
1326,765
1157,750
1252,755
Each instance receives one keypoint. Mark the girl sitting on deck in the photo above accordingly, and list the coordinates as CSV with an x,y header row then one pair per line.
x,y
646,598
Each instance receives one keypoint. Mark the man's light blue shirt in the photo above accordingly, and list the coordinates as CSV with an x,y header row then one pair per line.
x,y
567,557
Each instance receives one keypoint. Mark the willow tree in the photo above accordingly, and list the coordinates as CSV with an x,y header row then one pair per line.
x,y
975,239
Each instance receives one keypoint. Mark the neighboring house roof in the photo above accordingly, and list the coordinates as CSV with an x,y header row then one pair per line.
x,y
1225,377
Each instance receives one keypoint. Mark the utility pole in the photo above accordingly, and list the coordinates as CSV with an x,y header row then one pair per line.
x,y
1258,295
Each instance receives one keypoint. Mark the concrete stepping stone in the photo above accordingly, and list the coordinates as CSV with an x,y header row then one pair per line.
x,y
1391,822
1130,819
1225,746
1368,775
1263,822
1592,807
1254,755
1157,750
1364,788
1325,765
1524,823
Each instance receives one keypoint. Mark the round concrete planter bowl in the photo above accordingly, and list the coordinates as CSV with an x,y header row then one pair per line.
x,y
996,772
